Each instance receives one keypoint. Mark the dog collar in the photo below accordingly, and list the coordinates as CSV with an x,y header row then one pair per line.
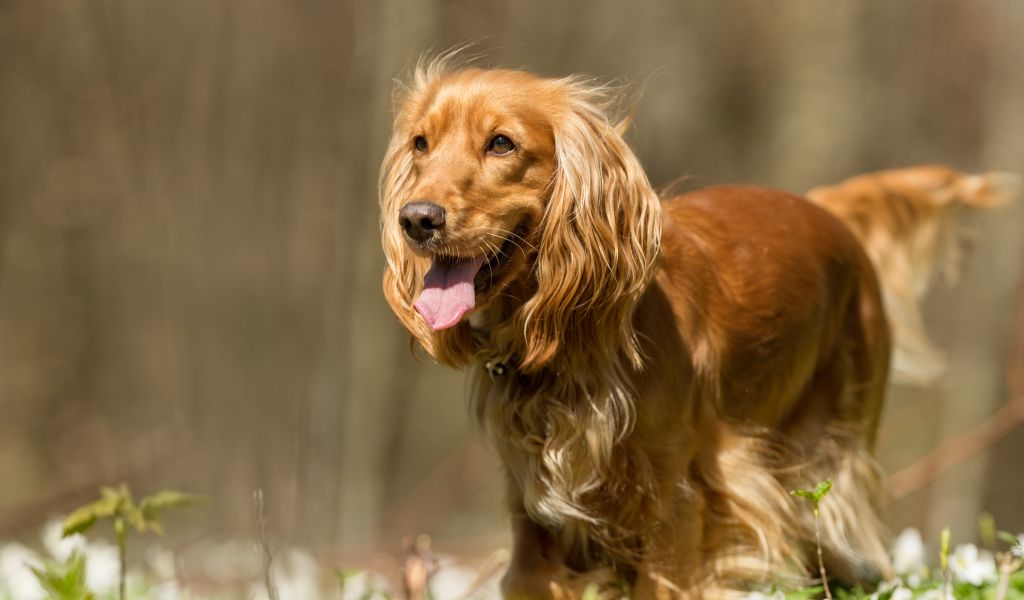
x,y
495,368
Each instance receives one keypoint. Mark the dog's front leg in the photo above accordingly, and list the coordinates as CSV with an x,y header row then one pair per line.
x,y
537,568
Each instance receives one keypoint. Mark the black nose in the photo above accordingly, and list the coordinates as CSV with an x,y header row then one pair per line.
x,y
421,219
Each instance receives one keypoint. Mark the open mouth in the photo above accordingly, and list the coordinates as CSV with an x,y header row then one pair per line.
x,y
451,286
491,269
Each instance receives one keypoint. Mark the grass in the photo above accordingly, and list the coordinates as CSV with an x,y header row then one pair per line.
x,y
80,569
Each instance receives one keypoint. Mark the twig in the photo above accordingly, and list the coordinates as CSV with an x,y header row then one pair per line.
x,y
268,578
1004,576
952,452
417,568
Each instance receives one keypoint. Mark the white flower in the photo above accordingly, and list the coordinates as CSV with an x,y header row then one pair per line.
x,y
102,567
885,587
297,575
763,596
17,581
1018,548
162,562
168,590
57,545
901,593
365,584
102,563
451,580
973,566
908,552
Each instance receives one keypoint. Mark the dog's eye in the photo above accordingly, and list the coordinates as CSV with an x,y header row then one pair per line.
x,y
420,143
500,145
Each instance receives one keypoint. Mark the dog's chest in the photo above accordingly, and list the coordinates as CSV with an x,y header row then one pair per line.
x,y
560,449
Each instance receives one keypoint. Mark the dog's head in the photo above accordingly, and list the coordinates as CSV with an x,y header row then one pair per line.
x,y
510,199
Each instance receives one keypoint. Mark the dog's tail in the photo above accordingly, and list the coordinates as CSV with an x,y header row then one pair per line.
x,y
906,219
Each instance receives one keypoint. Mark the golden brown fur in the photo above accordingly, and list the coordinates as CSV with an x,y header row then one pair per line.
x,y
906,219
655,375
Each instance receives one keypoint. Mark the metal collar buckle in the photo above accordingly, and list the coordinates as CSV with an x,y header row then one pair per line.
x,y
495,368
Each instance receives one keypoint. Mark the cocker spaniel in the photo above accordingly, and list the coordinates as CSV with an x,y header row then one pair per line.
x,y
655,374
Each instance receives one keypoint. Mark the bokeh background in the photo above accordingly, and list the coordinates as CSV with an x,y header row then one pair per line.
x,y
190,267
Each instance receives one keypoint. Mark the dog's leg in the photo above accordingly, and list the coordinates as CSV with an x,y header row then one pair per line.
x,y
673,564
839,419
537,568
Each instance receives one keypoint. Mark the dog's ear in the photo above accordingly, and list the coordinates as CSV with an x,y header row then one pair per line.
x,y
403,276
599,242
403,272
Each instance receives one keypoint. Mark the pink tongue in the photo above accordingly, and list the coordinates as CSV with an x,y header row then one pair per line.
x,y
448,292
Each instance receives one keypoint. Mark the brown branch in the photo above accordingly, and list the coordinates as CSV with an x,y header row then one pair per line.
x,y
418,567
956,450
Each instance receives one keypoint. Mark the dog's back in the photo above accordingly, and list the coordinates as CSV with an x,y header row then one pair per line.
x,y
783,306
778,307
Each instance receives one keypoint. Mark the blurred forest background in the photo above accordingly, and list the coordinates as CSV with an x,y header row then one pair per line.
x,y
190,264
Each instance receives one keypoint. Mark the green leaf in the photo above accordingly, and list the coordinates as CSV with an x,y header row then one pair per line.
x,y
987,530
84,517
119,495
815,495
65,582
135,518
151,507
591,592
1007,537
807,593
856,593
944,549
967,591
162,500
1017,581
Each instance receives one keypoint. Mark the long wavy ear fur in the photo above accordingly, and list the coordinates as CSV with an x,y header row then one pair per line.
x,y
599,243
404,274
600,235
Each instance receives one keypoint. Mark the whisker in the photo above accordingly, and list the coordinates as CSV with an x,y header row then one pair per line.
x,y
512,237
497,252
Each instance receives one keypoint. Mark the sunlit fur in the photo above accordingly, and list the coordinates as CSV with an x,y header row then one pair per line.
x,y
906,219
674,368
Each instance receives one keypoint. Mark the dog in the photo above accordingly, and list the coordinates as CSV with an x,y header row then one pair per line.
x,y
656,374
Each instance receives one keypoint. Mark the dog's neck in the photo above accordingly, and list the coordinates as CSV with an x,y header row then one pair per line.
x,y
494,335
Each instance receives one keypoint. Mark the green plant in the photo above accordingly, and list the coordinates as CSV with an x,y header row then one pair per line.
x,y
815,496
64,581
367,591
591,592
947,579
1009,562
119,506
